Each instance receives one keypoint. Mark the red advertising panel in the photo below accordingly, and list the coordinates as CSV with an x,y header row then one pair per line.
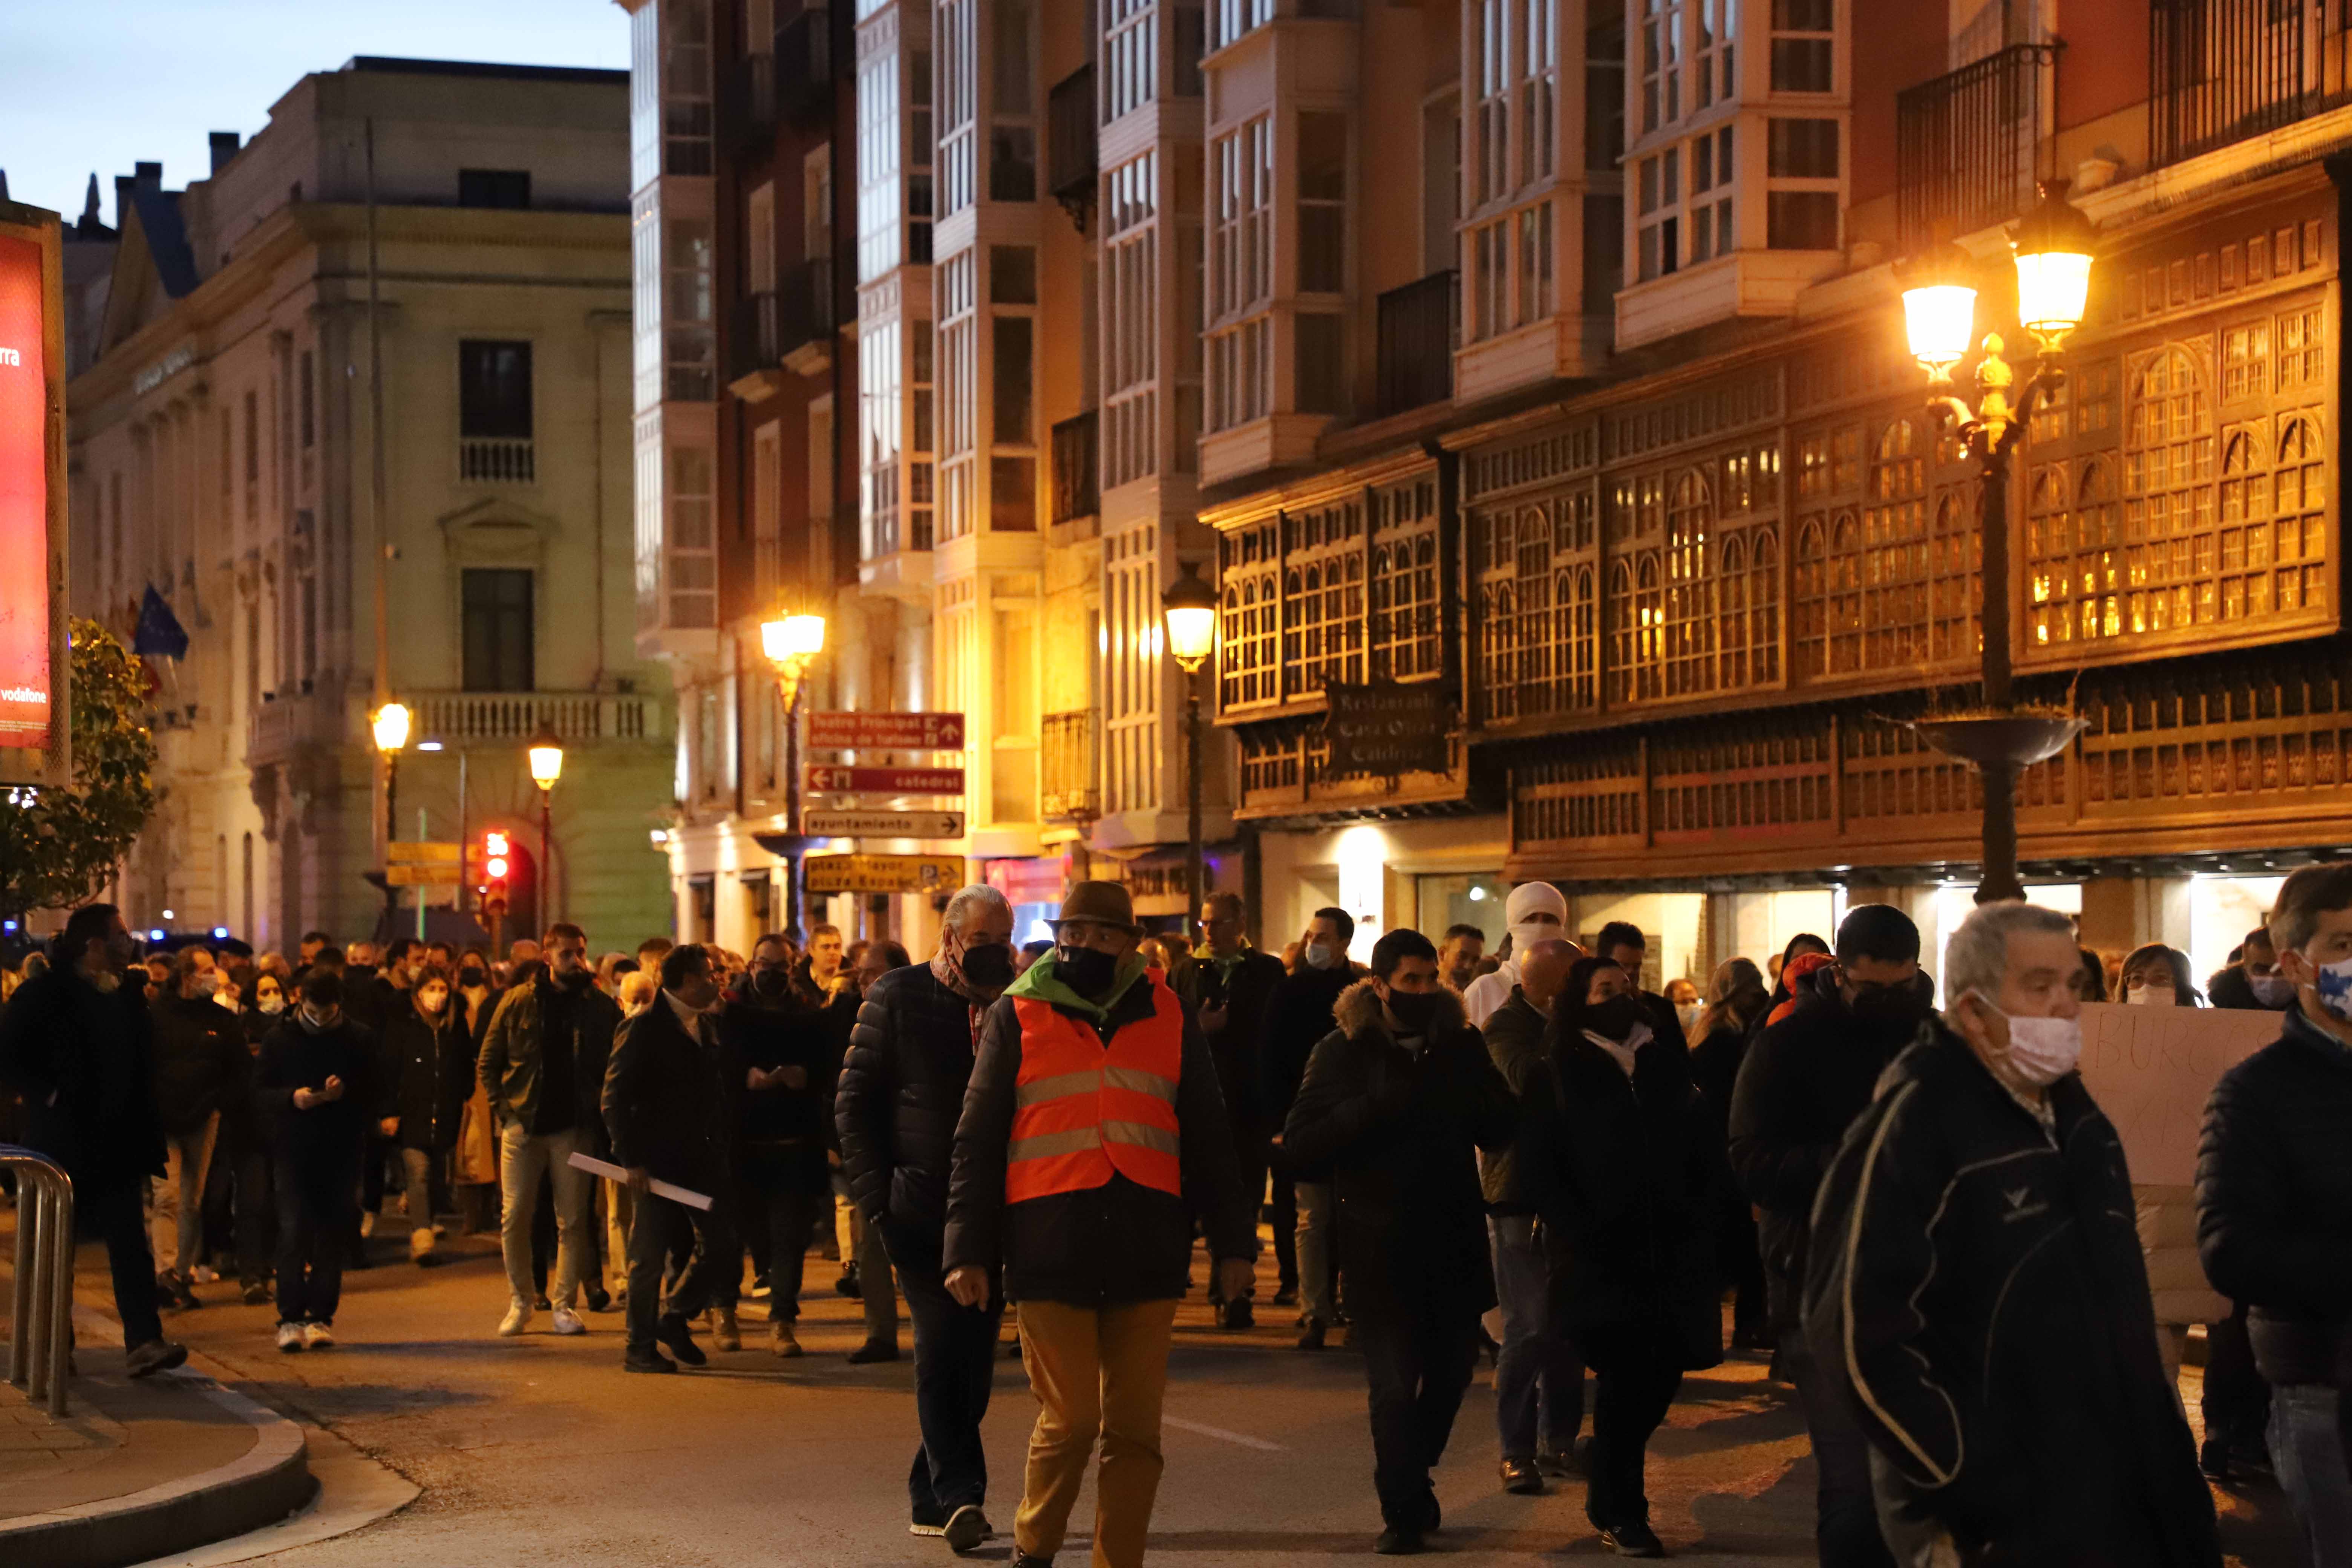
x,y
885,781
27,603
887,731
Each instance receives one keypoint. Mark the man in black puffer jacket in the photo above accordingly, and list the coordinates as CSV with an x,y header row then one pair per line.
x,y
1976,1282
901,1091
1802,1085
1298,1016
1397,1099
2274,1203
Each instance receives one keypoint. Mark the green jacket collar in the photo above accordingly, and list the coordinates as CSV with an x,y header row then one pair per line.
x,y
1039,983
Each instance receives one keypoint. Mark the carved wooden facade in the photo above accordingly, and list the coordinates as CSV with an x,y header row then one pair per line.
x,y
1681,602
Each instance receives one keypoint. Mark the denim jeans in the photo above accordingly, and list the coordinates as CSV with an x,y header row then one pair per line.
x,y
1538,1373
317,1197
1316,1288
524,1159
176,1198
1846,1527
955,1369
2307,1449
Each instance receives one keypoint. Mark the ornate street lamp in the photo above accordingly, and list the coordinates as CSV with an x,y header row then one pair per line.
x,y
1190,608
546,752
791,643
2053,246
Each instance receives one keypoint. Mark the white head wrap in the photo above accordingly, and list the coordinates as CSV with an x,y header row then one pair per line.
x,y
1530,899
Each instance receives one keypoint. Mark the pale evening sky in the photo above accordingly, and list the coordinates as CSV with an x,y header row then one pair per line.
x,y
98,85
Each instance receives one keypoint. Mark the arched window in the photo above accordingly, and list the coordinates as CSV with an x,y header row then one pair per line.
x,y
2168,489
1845,595
1625,644
1688,622
1764,607
1810,587
1733,613
2299,527
1895,561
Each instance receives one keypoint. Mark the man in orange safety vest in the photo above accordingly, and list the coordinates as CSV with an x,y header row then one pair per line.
x,y
1092,1131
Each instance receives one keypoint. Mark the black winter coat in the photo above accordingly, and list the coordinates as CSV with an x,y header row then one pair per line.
x,y
1802,1083
2231,989
1298,1016
83,1059
901,1092
324,1142
1105,1246
434,1062
1626,1179
1399,1130
2275,1199
201,1063
1980,1286
780,1132
666,1106
1244,994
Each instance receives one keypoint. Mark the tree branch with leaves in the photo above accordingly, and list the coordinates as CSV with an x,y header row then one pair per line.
x,y
58,845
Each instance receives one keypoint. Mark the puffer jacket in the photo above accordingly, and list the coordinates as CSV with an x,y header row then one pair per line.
x,y
1120,1242
901,1090
1977,1281
1398,1128
2275,1199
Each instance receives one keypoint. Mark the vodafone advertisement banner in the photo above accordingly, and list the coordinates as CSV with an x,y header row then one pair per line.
x,y
25,590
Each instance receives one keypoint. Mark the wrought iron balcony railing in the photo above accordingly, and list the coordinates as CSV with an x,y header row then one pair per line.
x,y
806,67
1070,165
1964,144
1077,485
2223,71
771,326
1420,327
749,120
1072,785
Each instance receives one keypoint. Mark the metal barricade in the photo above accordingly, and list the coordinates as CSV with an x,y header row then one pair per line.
x,y
41,1326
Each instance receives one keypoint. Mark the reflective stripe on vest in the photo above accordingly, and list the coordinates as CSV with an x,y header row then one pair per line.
x,y
1083,1111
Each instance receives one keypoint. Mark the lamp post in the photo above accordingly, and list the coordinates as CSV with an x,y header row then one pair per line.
x,y
546,767
791,643
390,725
1190,608
2053,246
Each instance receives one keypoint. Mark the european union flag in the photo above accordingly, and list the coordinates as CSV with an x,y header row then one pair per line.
x,y
159,628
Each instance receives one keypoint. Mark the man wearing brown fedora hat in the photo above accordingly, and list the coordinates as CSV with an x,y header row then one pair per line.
x,y
1092,1131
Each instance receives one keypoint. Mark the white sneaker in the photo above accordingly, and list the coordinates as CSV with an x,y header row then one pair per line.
x,y
567,1321
517,1320
318,1337
203,1274
289,1337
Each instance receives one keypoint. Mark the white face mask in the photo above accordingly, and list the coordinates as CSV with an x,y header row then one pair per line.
x,y
2272,990
2152,997
2334,984
1687,1013
274,1003
1320,955
2045,1050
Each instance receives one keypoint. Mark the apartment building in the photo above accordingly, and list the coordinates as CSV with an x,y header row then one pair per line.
x,y
225,451
1621,474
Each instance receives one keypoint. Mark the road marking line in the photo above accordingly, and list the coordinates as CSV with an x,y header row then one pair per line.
x,y
1247,1442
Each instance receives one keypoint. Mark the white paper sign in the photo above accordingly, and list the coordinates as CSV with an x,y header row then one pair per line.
x,y
612,1173
2152,1069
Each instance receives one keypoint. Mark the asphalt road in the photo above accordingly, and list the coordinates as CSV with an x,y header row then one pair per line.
x,y
540,1450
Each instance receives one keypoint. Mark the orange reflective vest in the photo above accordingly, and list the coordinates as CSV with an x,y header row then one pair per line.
x,y
1084,1109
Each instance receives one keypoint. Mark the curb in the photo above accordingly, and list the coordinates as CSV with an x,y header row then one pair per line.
x,y
265,1484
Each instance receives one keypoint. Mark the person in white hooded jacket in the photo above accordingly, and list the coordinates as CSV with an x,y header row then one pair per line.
x,y
1535,911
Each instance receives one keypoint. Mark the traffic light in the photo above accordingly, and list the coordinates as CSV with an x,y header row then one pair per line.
x,y
496,864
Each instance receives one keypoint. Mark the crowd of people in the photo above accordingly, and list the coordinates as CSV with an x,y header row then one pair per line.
x,y
1918,1214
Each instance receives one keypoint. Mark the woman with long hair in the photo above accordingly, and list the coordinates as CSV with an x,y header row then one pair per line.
x,y
1627,1173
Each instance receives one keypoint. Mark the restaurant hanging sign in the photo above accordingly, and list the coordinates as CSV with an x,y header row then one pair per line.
x,y
33,661
1385,728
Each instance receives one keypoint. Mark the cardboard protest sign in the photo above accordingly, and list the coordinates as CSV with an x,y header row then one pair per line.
x,y
2151,1070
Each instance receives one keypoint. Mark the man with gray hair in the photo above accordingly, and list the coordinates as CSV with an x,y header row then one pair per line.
x,y
902,1087
1976,1280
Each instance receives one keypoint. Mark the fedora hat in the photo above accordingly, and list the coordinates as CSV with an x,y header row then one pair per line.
x,y
1105,903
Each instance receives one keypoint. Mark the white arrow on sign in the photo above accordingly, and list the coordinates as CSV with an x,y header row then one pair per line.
x,y
882,824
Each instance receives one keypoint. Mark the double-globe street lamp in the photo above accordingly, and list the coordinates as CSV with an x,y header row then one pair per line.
x,y
790,643
1190,608
2052,247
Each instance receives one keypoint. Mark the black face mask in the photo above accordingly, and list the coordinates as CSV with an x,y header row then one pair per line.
x,y
770,982
1414,1011
473,977
1890,1006
1613,1019
1087,971
989,965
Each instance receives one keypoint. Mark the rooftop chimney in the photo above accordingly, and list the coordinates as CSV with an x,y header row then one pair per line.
x,y
151,176
123,185
225,145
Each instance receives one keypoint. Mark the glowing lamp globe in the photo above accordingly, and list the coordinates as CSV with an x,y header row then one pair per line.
x,y
1190,608
792,637
2053,245
391,727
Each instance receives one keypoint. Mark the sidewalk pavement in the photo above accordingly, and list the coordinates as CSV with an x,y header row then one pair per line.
x,y
138,1469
